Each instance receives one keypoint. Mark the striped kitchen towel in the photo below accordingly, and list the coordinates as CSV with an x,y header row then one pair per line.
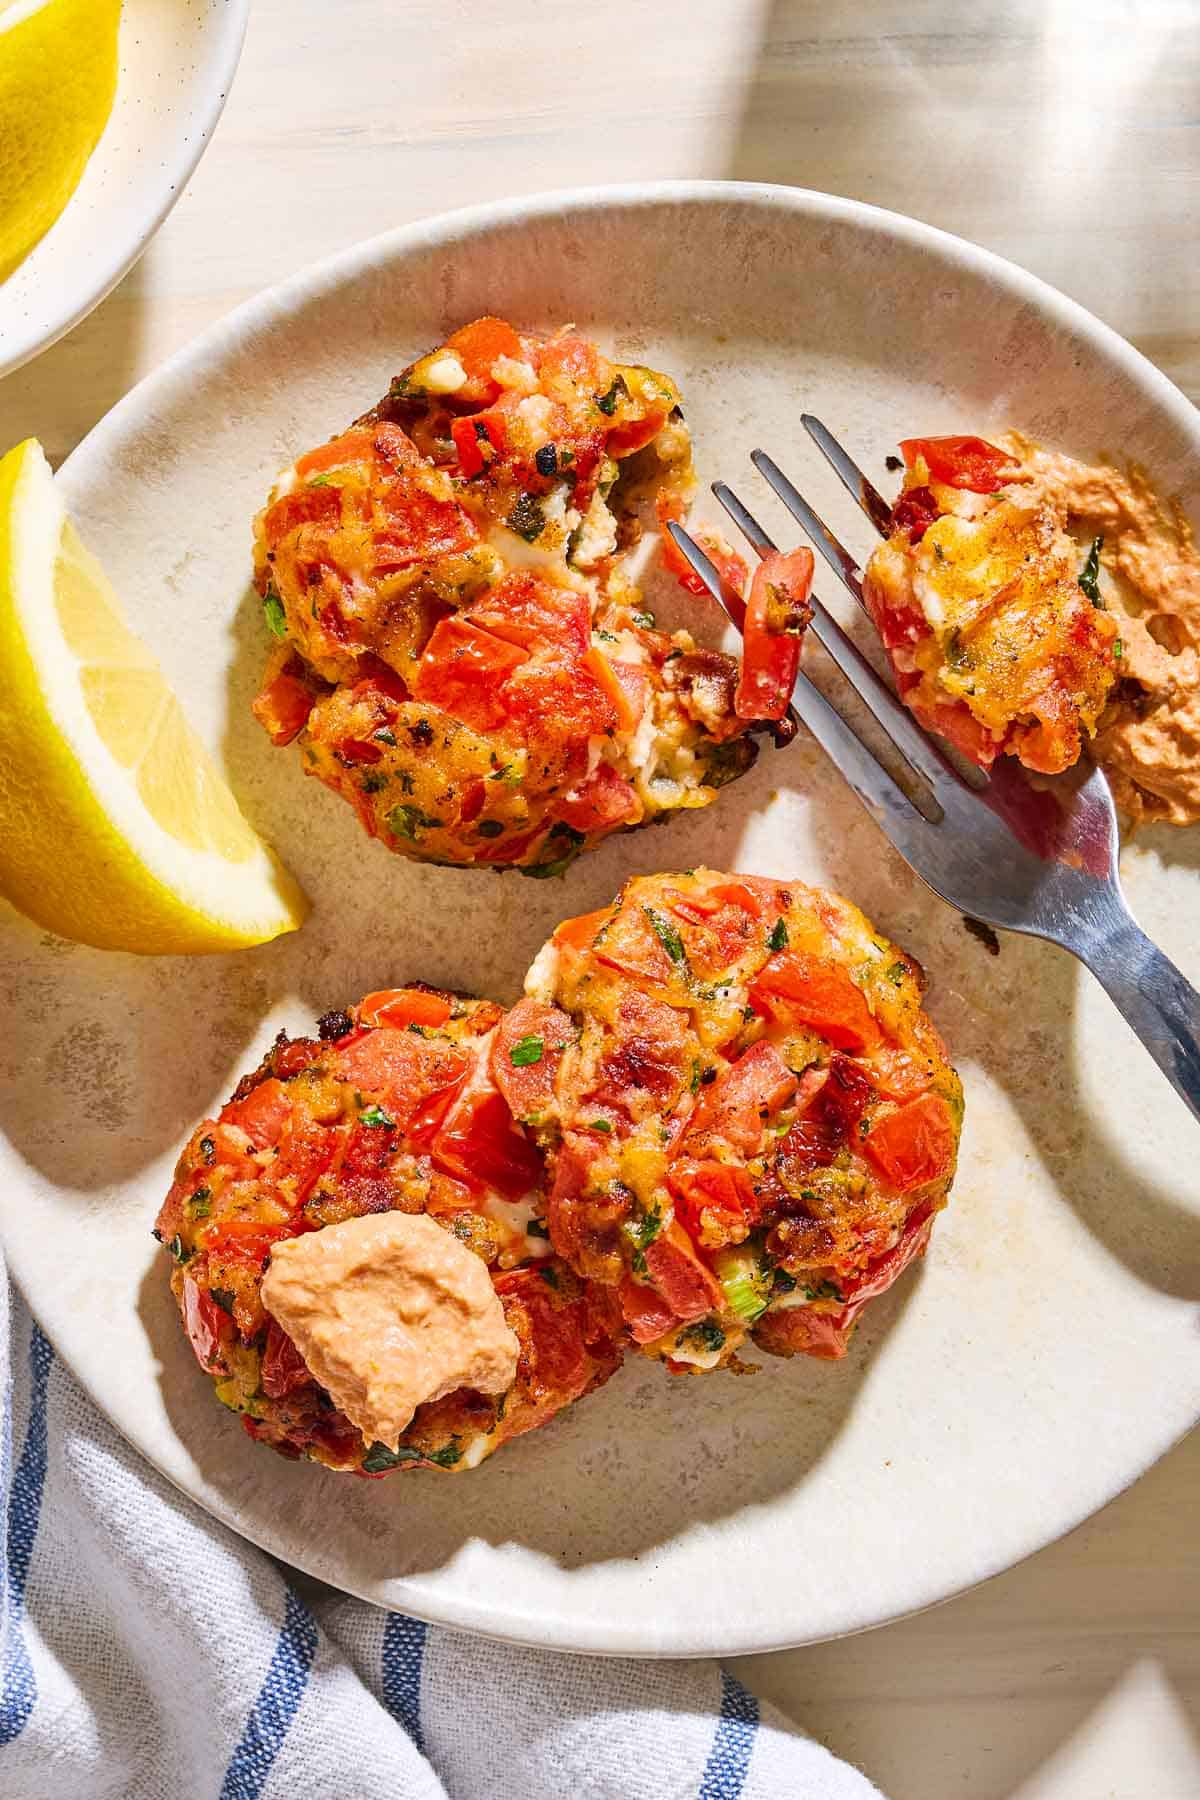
x,y
146,1653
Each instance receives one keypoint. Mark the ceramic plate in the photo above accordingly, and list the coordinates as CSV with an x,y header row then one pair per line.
x,y
1045,1353
177,59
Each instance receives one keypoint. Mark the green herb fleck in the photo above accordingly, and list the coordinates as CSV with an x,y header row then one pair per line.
x,y
379,1457
372,783
537,1228
778,939
608,402
178,1251
548,1275
1089,575
409,821
490,828
528,1050
706,1334
274,614
645,620
641,1234
604,1125
666,934
897,973
224,1298
824,1290
385,736
207,1149
200,1204
319,481
1118,650
376,1117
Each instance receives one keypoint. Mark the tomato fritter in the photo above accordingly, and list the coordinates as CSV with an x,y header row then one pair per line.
x,y
749,1120
390,1110
460,653
985,605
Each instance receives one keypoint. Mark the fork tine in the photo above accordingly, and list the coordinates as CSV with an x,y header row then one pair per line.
x,y
896,720
835,553
849,474
887,803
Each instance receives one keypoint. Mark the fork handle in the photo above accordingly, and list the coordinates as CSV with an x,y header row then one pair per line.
x,y
1160,1005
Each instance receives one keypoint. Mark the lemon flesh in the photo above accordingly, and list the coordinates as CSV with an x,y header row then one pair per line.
x,y
58,76
116,827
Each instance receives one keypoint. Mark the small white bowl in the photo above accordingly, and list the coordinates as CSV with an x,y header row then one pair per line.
x,y
176,64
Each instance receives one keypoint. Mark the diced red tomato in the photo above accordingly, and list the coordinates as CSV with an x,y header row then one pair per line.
x,y
404,1006
359,750
685,1283
477,347
527,610
480,1144
833,1102
463,670
205,1323
625,686
378,681
283,1368
413,525
714,1201
670,508
644,1311
480,440
580,933
914,512
262,1114
246,1240
402,1069
577,361
913,1145
560,702
356,446
282,707
738,893
630,435
395,446
649,1052
803,1331
552,1366
528,1086
604,801
739,1104
960,462
818,994
777,613
303,506
305,1152
632,946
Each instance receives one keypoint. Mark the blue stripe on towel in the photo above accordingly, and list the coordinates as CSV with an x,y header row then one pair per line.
x,y
729,1759
19,1689
403,1655
277,1704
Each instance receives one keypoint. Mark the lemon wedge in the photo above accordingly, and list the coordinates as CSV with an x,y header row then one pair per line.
x,y
58,76
116,828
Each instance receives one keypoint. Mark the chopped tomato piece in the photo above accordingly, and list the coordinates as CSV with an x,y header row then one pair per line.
x,y
739,1104
777,613
462,671
401,1069
580,933
303,506
480,440
404,1006
477,347
914,512
560,702
714,1201
395,446
645,1312
357,446
552,1365
262,1114
380,682
509,849
686,1284
913,1145
625,685
818,994
602,802
833,1100
960,462
670,508
803,1331
413,525
305,1152
359,750
576,360
283,1368
649,1053
527,610
481,1145
205,1323
247,1240
526,1052
282,707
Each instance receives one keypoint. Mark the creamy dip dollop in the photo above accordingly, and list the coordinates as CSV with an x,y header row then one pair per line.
x,y
1148,739
390,1311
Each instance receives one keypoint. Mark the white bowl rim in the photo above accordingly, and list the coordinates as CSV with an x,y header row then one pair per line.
x,y
177,170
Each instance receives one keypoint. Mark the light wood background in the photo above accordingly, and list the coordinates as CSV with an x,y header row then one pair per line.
x,y
1064,133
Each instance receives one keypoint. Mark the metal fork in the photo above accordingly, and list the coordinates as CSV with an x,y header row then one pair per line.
x,y
1039,860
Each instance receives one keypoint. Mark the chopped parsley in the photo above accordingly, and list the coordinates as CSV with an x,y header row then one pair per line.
x,y
604,1125
375,1116
224,1298
207,1149
200,1204
527,518
706,1334
825,1290
372,782
379,1458
666,934
526,1051
319,481
778,939
1118,650
896,973
385,735
274,615
179,1251
644,619
409,821
641,1234
608,402
1089,575
490,828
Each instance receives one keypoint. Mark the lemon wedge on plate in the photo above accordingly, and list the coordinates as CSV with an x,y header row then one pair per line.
x,y
58,76
116,828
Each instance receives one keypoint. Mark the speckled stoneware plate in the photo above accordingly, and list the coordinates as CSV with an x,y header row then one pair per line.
x,y
1046,1352
177,60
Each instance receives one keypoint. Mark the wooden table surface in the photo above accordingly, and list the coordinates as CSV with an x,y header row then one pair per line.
x,y
1063,133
